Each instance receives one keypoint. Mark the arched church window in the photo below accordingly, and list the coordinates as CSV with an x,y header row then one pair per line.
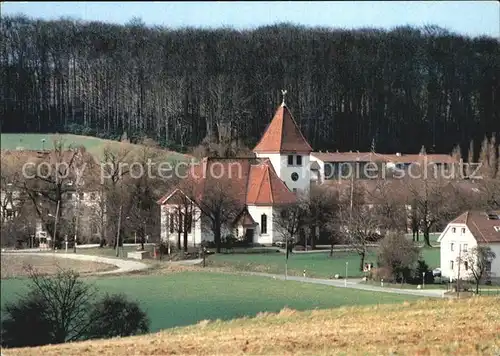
x,y
263,224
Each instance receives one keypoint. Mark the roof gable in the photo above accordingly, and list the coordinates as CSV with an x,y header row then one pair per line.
x,y
282,135
247,180
481,226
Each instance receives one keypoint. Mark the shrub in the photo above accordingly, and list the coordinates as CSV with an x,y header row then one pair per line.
x,y
422,269
114,316
62,308
384,273
399,254
28,313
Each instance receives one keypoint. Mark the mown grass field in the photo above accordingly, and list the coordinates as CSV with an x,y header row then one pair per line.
x,y
316,264
13,266
33,141
437,327
185,298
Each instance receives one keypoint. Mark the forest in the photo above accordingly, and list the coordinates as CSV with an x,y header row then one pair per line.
x,y
392,90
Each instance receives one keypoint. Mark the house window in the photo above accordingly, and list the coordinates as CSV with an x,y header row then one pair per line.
x,y
452,247
299,160
451,265
263,224
463,231
466,265
488,267
294,190
70,196
171,222
454,230
465,248
290,160
10,213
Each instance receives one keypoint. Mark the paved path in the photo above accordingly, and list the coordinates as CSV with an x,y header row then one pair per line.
x,y
355,284
124,266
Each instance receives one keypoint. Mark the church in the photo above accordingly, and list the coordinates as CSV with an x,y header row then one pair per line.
x,y
279,171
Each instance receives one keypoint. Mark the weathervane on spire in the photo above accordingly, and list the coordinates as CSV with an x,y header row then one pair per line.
x,y
283,92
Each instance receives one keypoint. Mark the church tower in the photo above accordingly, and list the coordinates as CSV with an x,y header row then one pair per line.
x,y
287,149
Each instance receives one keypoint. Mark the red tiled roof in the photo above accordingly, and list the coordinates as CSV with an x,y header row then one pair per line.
x,y
480,225
245,218
265,187
246,180
381,157
348,156
282,135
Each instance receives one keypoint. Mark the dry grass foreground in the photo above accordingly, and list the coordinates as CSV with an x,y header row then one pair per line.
x,y
12,266
427,327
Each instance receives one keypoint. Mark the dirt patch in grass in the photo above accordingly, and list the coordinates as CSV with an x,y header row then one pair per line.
x,y
13,266
443,327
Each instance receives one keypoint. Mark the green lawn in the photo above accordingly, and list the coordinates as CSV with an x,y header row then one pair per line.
x,y
185,298
33,141
315,264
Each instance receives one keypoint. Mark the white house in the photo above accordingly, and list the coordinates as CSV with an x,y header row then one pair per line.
x,y
467,231
279,170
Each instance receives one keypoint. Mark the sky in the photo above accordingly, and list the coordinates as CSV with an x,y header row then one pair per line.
x,y
472,18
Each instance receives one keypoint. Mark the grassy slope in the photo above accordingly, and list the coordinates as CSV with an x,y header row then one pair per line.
x,y
315,264
185,298
93,144
444,327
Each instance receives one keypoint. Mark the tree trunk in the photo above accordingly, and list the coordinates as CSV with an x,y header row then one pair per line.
x,y
179,239
217,239
185,242
362,261
427,238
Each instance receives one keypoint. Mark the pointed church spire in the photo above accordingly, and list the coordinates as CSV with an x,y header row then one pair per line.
x,y
283,92
282,134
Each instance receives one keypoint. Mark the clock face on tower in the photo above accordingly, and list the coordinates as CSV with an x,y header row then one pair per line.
x,y
295,176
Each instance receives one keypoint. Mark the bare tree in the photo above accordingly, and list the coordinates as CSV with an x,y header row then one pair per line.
x,y
321,208
478,261
428,203
67,300
51,185
289,221
358,222
390,205
220,206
